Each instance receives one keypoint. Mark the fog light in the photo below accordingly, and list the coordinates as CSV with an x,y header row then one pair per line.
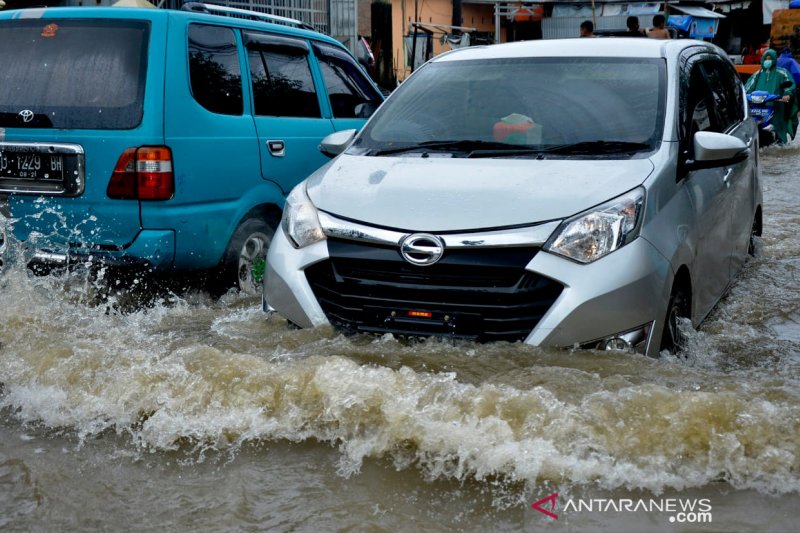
x,y
633,341
265,304
618,344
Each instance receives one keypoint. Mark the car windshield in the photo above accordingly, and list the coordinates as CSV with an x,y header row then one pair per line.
x,y
82,74
518,107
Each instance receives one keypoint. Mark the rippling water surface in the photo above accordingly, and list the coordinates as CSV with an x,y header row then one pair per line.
x,y
195,413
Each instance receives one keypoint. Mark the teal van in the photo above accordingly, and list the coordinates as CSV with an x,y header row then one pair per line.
x,y
164,139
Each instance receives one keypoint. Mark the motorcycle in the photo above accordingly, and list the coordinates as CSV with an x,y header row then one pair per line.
x,y
762,110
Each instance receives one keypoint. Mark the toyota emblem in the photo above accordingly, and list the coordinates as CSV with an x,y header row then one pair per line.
x,y
422,249
26,115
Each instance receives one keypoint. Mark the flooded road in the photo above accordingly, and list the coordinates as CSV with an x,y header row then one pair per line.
x,y
202,414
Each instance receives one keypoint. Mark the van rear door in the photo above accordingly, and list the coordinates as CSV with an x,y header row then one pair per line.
x,y
73,99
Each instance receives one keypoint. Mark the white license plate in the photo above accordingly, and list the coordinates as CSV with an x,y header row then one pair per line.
x,y
31,166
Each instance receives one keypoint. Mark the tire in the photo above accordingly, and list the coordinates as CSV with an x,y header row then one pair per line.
x,y
754,232
672,339
766,138
245,258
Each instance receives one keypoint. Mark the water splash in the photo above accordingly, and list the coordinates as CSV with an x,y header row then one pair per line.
x,y
200,375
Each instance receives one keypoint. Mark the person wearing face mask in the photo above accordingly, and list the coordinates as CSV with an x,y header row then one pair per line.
x,y
775,80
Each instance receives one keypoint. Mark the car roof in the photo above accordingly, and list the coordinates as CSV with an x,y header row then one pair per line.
x,y
153,14
624,47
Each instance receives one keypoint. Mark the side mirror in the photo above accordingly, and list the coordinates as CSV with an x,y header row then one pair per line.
x,y
365,110
712,150
337,142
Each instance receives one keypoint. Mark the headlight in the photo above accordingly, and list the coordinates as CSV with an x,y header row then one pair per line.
x,y
300,220
593,234
757,99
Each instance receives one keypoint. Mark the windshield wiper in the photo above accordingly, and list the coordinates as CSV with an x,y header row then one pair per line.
x,y
597,147
474,148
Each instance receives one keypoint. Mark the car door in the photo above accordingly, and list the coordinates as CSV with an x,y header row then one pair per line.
x,y
287,107
708,191
727,93
212,138
353,97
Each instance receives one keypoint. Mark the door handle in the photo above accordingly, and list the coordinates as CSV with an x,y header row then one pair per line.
x,y
726,179
276,148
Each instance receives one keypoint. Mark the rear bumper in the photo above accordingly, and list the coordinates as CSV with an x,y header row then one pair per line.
x,y
2,240
151,250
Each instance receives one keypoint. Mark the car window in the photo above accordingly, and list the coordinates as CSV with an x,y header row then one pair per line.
x,y
700,118
534,102
723,93
214,69
73,74
734,83
696,102
345,82
282,82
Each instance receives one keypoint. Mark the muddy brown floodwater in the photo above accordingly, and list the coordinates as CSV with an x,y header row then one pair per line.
x,y
200,414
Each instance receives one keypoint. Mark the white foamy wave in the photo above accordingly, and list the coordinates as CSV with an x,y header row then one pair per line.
x,y
196,374
642,436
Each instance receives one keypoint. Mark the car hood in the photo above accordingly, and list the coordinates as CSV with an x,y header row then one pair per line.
x,y
446,194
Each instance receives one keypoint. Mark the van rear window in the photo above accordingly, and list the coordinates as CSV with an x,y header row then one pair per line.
x,y
72,74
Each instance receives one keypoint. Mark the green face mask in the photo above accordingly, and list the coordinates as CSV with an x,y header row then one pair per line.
x,y
767,64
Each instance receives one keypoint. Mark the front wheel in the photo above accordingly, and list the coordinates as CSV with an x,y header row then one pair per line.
x,y
672,339
766,137
754,232
246,256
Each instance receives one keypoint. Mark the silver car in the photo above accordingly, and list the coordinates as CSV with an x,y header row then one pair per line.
x,y
573,193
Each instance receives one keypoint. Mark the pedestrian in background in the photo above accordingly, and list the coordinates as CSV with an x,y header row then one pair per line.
x,y
786,61
587,28
633,27
658,31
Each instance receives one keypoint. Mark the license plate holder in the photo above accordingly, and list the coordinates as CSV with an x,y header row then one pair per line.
x,y
41,168
422,321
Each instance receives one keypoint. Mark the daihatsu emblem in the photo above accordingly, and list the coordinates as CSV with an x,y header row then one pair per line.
x,y
26,115
422,249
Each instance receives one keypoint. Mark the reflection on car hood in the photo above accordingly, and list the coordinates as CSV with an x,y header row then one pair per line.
x,y
443,194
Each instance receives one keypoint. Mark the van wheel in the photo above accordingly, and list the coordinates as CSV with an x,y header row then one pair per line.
x,y
246,255
672,339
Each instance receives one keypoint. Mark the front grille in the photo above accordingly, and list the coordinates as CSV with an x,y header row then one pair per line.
x,y
481,294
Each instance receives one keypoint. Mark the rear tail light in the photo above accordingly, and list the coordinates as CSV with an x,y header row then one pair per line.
x,y
143,173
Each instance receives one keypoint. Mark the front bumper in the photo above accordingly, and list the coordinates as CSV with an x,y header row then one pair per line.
x,y
622,291
625,290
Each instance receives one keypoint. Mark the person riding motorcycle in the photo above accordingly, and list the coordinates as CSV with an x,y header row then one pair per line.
x,y
775,80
